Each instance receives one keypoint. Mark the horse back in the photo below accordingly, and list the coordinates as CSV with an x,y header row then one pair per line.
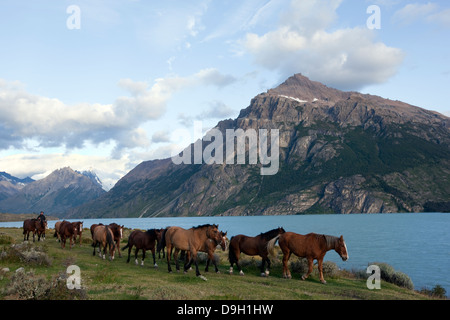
x,y
179,238
308,245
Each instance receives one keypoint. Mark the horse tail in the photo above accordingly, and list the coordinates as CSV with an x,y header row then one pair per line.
x,y
231,254
162,243
271,247
128,244
109,238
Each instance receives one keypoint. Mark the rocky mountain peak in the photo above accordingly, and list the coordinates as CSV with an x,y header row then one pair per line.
x,y
303,89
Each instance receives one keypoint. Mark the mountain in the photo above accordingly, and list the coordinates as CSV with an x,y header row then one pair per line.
x,y
10,185
339,152
55,194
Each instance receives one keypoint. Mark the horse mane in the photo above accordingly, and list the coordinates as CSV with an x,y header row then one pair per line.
x,y
330,241
151,232
203,226
269,235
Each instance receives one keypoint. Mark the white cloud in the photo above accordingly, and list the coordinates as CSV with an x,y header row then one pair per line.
x,y
420,12
53,123
39,166
347,58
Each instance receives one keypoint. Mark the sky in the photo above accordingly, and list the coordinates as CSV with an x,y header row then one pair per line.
x,y
104,85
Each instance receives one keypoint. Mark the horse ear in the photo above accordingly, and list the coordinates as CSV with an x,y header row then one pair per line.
x,y
341,238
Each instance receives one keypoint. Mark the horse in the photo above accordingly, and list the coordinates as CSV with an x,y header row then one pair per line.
x,y
210,246
311,246
189,240
93,226
103,237
67,230
252,246
142,241
78,225
117,231
35,226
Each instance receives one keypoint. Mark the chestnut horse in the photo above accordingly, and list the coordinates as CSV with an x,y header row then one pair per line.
x,y
252,246
79,228
117,231
104,237
67,230
311,246
189,240
36,226
142,241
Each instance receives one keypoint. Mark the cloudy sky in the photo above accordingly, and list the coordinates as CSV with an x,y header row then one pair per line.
x,y
105,85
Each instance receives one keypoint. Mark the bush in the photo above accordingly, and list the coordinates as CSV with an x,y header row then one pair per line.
x,y
438,291
26,253
402,280
28,286
398,278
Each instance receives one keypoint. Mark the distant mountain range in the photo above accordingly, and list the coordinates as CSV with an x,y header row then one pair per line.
x,y
61,190
340,152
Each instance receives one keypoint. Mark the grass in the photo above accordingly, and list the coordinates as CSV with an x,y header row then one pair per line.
x,y
117,280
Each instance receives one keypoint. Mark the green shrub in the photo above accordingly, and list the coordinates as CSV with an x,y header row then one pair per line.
x,y
402,280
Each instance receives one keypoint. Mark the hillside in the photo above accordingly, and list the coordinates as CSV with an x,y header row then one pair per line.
x,y
341,152
59,191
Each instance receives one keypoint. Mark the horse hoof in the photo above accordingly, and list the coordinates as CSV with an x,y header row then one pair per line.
x,y
241,273
323,281
203,278
263,274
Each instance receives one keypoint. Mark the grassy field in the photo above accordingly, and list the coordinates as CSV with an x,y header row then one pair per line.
x,y
117,280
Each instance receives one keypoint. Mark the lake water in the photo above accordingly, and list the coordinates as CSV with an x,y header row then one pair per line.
x,y
417,244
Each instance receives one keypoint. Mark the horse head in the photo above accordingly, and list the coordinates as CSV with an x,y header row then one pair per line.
x,y
213,233
224,240
341,248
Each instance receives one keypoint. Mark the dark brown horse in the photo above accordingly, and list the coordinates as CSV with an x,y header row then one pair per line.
x,y
66,231
103,237
117,231
252,246
142,241
36,226
189,240
311,246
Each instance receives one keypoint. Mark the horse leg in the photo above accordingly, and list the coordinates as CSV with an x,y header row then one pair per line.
x,y
143,257
265,273
136,255
117,246
105,246
154,258
169,252
320,261
129,253
94,244
175,257
310,268
286,272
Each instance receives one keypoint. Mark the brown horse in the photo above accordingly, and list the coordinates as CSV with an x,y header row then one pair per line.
x,y
36,226
103,237
210,246
117,231
311,246
252,246
93,226
67,230
190,240
142,241
78,225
